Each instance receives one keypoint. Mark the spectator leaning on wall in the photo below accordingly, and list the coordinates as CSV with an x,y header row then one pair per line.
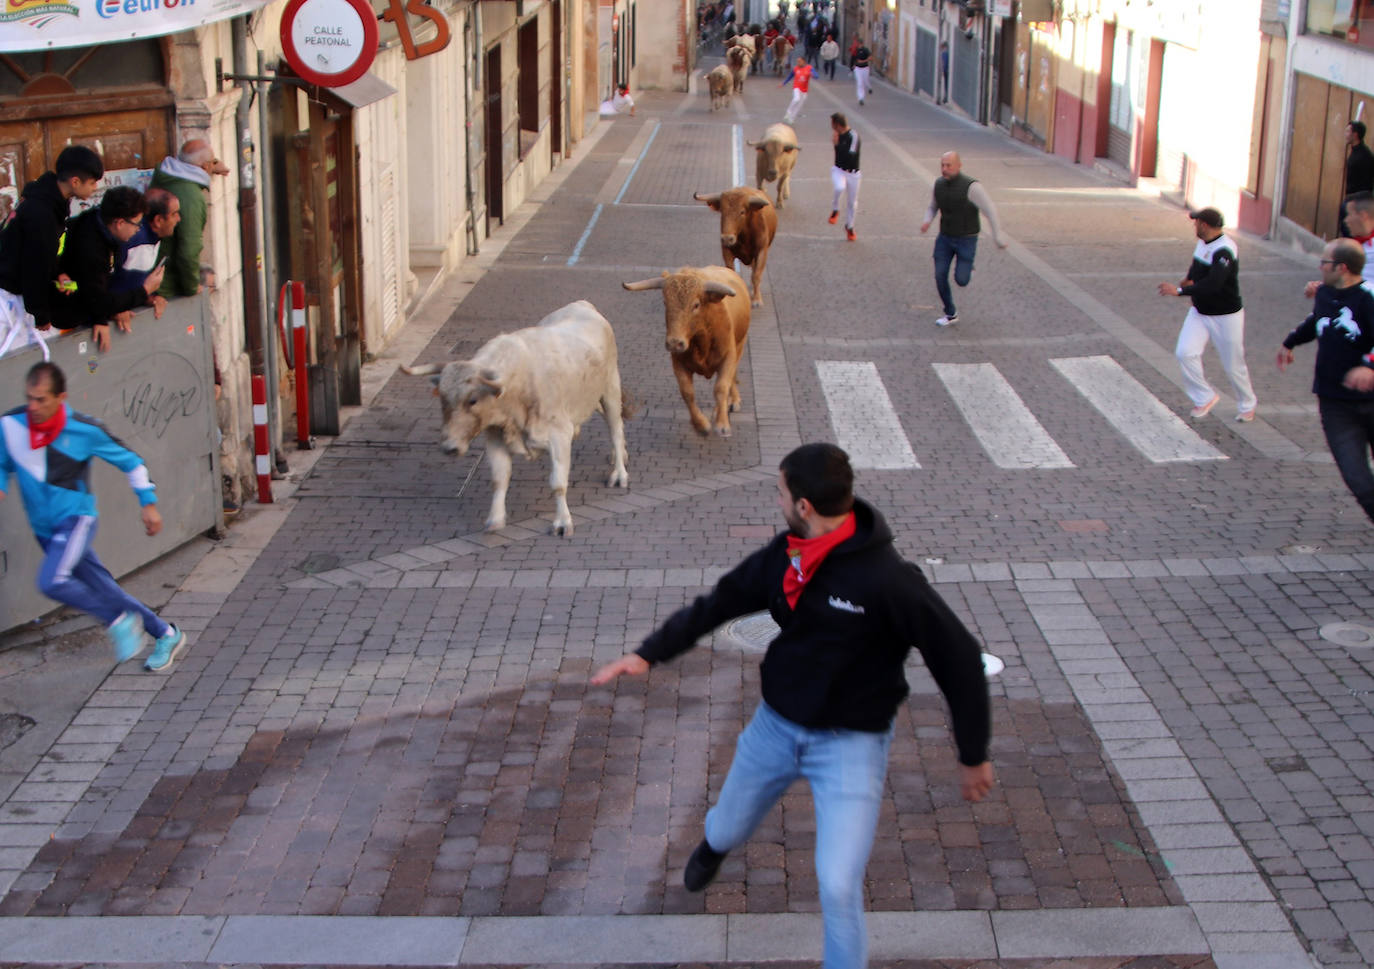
x,y
187,176
87,260
29,243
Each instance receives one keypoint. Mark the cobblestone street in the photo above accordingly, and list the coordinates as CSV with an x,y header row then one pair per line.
x,y
385,711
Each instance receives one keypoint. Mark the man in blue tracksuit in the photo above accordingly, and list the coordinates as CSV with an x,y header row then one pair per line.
x,y
49,447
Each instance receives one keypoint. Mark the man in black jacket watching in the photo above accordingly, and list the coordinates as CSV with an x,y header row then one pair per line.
x,y
1359,169
1342,323
87,263
29,244
849,610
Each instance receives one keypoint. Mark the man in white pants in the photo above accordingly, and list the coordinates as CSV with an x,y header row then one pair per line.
x,y
1213,284
861,58
844,174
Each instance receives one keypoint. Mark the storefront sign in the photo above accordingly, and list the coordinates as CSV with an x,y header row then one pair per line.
x,y
396,14
42,24
329,42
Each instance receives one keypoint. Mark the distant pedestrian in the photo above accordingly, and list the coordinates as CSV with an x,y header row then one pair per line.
x,y
1359,168
944,72
830,52
850,609
49,447
1217,314
1342,323
958,200
800,76
1359,214
844,174
862,56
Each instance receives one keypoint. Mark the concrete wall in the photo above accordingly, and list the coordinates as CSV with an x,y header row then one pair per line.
x,y
154,391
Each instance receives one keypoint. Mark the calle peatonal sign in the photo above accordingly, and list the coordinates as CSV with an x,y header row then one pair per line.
x,y
329,42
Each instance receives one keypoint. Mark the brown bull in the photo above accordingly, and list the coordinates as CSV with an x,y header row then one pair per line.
x,y
737,60
707,315
719,82
748,223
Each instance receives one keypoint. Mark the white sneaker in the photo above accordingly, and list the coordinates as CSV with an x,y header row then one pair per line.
x,y
947,320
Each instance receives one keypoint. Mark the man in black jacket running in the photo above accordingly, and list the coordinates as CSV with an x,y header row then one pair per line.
x,y
1342,323
849,610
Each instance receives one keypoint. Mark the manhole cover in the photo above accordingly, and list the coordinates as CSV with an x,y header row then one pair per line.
x,y
1352,634
752,632
12,727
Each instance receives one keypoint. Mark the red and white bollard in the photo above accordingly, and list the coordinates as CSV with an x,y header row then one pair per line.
x,y
262,445
298,352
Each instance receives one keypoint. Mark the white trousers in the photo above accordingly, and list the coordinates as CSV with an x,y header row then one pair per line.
x,y
1228,333
848,183
861,82
794,109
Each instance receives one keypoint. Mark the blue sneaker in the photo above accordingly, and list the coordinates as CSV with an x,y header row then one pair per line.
x,y
127,636
165,650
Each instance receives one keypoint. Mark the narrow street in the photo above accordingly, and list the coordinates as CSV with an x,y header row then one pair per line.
x,y
384,710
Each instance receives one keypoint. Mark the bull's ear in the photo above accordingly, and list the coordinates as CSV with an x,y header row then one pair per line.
x,y
755,202
491,380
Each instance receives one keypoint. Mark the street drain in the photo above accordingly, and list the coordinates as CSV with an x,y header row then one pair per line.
x,y
1352,634
319,562
754,632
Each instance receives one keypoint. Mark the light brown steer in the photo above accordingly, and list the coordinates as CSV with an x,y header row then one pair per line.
x,y
748,223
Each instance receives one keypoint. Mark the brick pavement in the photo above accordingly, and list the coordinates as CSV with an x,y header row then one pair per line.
x,y
388,713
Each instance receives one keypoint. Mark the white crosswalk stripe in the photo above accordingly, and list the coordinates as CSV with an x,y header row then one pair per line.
x,y
1154,430
1002,422
862,415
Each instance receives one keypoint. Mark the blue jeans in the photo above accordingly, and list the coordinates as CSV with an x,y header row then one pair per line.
x,y
1349,427
72,575
846,770
946,249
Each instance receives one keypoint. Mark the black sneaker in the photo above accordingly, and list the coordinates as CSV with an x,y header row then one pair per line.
x,y
701,867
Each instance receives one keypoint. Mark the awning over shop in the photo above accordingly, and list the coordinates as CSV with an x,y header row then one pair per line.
x,y
27,25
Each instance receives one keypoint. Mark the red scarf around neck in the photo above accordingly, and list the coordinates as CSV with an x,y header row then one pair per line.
x,y
45,432
805,555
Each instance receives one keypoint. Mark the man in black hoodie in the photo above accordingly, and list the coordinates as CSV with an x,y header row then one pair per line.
x,y
88,258
29,244
849,610
1342,323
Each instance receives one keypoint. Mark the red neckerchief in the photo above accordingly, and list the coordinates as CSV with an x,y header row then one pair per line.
x,y
1363,240
45,432
805,556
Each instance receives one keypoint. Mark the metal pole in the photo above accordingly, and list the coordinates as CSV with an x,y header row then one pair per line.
x,y
269,267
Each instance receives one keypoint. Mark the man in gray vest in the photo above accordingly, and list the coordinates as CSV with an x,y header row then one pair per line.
x,y
959,199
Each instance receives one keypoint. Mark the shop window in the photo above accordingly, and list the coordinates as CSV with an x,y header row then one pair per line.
x,y
1349,20
76,69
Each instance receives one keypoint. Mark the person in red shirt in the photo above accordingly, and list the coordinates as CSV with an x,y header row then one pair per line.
x,y
800,77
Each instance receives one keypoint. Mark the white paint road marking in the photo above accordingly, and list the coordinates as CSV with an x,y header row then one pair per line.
x,y
1154,430
1004,425
863,417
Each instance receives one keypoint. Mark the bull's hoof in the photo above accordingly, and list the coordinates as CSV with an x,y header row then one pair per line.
x,y
618,479
495,524
723,431
562,529
758,301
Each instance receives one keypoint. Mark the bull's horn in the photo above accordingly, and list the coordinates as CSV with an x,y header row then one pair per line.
x,y
755,202
720,289
423,370
643,284
708,199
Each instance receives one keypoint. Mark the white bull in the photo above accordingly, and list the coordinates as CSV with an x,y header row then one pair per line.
x,y
531,391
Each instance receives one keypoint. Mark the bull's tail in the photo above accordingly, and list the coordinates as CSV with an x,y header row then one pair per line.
x,y
628,405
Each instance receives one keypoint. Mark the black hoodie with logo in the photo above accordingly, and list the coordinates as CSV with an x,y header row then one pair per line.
x,y
28,247
838,660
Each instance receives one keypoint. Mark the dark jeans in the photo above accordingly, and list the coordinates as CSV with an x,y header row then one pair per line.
x,y
947,248
1349,427
830,67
